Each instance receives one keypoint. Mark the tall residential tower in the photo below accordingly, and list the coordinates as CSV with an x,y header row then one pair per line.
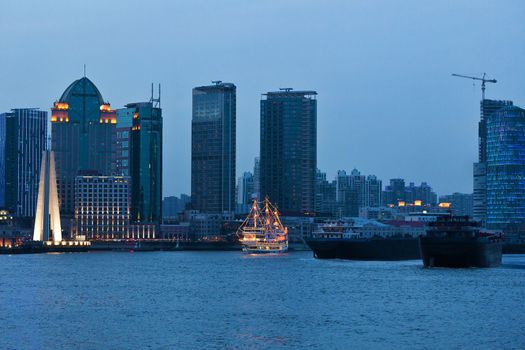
x,y
288,154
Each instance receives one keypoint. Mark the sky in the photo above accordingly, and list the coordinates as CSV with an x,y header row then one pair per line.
x,y
387,103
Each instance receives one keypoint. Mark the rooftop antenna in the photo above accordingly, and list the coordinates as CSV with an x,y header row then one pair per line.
x,y
155,101
286,89
84,70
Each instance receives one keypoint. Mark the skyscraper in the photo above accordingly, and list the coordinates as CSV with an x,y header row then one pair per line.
x,y
505,164
257,178
487,108
288,156
245,192
23,139
82,138
139,155
213,134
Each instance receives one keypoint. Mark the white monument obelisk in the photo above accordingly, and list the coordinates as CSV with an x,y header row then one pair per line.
x,y
47,219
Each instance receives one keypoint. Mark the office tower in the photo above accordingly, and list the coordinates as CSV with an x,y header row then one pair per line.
x,y
505,164
487,108
23,139
288,155
139,155
82,138
257,178
102,206
460,203
245,193
213,133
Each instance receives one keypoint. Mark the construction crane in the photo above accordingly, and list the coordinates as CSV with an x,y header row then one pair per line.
x,y
482,79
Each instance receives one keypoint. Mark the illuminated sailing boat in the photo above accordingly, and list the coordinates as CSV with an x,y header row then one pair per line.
x,y
262,231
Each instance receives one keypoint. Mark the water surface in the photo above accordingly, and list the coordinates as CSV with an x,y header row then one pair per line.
x,y
168,300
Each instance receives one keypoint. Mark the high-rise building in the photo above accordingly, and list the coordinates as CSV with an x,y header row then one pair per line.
x,y
102,206
257,178
395,192
373,191
139,155
288,155
213,135
325,193
23,139
460,203
505,164
487,108
82,138
245,192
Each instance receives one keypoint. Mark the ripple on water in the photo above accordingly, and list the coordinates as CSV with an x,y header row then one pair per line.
x,y
166,300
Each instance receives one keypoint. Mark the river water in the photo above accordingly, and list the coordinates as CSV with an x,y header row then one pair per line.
x,y
226,300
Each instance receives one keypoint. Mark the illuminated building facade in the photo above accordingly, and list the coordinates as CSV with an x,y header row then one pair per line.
x,y
102,206
23,135
505,159
288,154
83,138
139,155
487,108
47,218
213,148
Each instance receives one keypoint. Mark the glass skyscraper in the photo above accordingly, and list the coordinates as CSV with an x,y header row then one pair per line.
x,y
139,155
288,154
487,108
23,137
505,159
213,142
83,138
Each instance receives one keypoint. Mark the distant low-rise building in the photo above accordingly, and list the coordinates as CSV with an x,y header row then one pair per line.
x,y
172,206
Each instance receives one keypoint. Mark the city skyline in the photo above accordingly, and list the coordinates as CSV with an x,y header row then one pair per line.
x,y
390,140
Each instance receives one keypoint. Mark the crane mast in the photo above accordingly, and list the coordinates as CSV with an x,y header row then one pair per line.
x,y
482,79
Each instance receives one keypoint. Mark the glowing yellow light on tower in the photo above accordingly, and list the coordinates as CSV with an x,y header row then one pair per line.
x,y
105,107
418,203
61,106
401,204
445,205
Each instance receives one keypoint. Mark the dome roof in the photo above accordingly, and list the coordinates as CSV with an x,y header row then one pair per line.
x,y
82,86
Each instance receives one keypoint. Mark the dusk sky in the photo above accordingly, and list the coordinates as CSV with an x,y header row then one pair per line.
x,y
387,104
